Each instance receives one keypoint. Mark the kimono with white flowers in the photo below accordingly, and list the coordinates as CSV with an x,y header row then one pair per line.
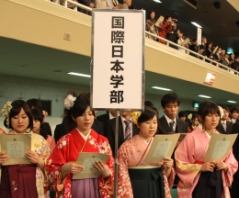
x,y
68,149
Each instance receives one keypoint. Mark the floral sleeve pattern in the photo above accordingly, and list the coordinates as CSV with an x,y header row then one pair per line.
x,y
106,184
124,187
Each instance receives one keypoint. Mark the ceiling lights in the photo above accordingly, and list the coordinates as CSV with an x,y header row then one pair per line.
x,y
204,96
157,1
79,74
232,101
161,88
196,24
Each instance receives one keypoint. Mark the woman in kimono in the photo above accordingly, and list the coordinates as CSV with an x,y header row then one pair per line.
x,y
197,177
137,179
23,181
62,163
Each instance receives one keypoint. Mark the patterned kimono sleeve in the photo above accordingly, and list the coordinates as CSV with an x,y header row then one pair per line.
x,y
56,160
106,184
186,167
170,178
124,184
168,182
41,147
232,164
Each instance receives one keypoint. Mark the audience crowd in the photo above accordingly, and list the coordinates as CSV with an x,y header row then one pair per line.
x,y
167,27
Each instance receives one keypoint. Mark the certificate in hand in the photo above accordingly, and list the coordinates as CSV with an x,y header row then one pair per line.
x,y
87,160
15,145
162,147
219,146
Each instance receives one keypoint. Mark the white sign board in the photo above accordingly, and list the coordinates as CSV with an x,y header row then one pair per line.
x,y
118,59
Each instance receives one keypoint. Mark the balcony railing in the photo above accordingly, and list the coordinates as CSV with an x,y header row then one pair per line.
x,y
75,6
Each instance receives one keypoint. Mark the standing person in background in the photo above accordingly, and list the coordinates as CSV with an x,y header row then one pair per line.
x,y
196,122
23,181
198,178
105,118
37,122
234,114
61,165
36,104
67,123
225,125
126,129
137,179
169,123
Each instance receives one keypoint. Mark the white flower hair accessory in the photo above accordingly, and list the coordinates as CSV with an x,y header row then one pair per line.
x,y
69,101
221,111
6,110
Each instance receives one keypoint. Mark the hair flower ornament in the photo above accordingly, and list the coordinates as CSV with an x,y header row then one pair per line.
x,y
135,115
6,110
69,101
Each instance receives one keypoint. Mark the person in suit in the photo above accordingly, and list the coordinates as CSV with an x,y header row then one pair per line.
x,y
234,114
126,129
169,122
105,118
225,125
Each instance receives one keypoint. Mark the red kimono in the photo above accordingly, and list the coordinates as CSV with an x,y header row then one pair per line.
x,y
68,149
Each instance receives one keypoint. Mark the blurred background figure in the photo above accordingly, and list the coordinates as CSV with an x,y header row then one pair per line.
x,y
225,125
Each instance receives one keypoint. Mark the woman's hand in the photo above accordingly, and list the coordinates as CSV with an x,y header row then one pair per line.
x,y
3,157
71,167
76,168
35,158
208,166
221,166
103,169
167,166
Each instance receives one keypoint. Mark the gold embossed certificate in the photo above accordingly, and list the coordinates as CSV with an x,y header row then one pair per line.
x,y
219,146
15,145
87,160
162,147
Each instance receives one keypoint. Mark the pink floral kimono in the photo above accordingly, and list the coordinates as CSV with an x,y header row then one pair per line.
x,y
189,157
132,154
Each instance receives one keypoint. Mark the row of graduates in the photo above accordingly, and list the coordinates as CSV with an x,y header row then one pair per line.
x,y
136,179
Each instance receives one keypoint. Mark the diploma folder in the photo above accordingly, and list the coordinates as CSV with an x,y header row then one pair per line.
x,y
162,147
87,160
219,146
16,146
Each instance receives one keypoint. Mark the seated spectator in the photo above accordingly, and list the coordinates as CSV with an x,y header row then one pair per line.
x,y
150,24
104,4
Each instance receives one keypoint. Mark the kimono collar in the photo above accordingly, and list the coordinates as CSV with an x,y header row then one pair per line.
x,y
28,131
85,137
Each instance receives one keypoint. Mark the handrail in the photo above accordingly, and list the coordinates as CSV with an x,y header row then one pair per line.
x,y
188,51
158,38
